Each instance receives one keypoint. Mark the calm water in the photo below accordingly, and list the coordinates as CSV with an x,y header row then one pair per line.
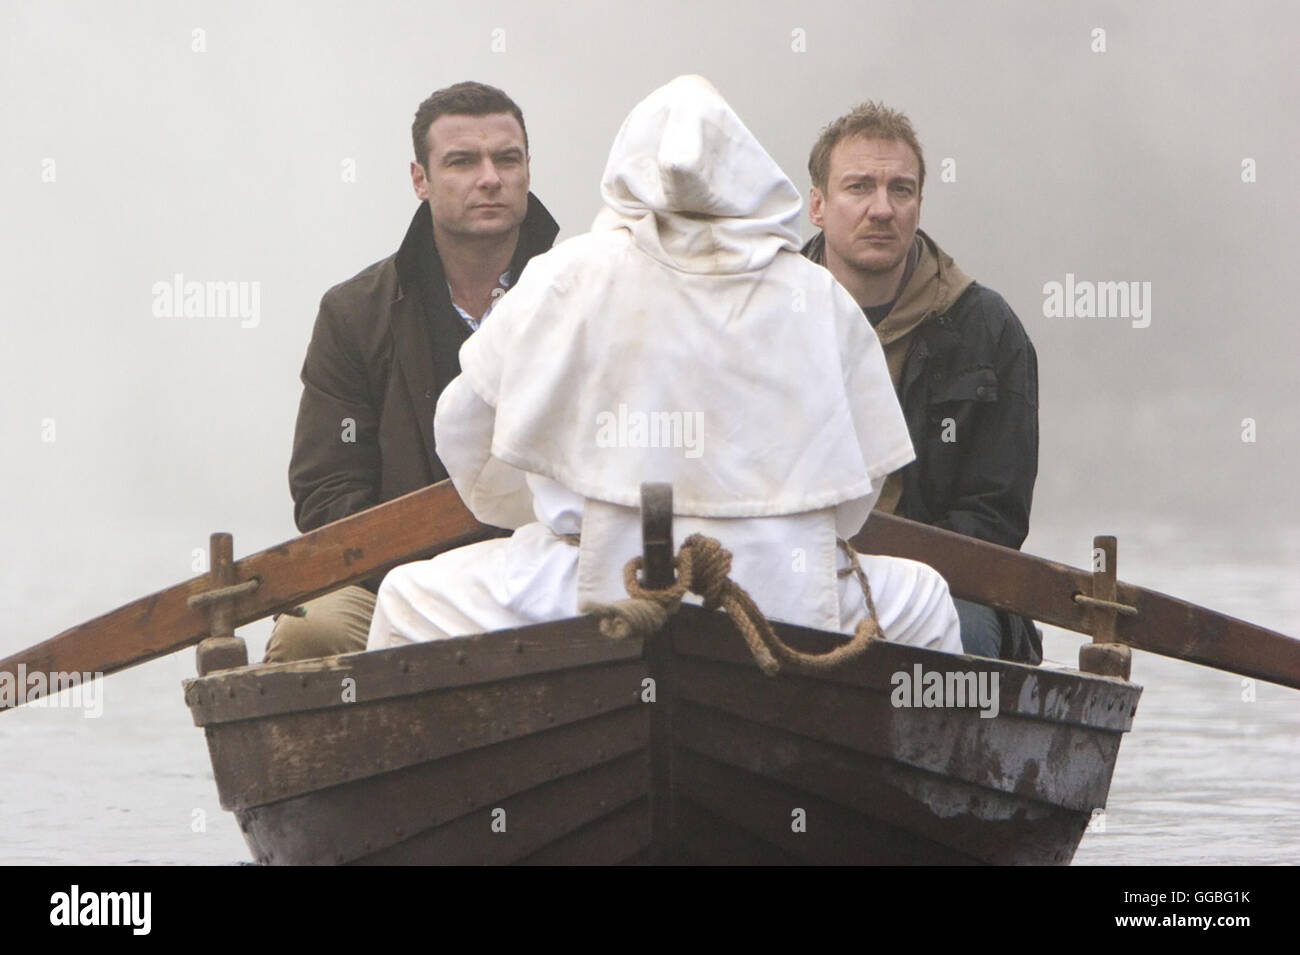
x,y
1204,777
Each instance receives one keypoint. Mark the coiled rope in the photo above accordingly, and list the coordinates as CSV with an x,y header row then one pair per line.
x,y
703,568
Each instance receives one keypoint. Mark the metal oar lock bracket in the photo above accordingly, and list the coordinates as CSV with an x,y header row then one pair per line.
x,y
221,649
1105,656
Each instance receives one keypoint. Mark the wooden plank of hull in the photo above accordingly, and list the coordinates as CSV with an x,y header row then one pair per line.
x,y
832,835
1030,757
663,740
345,822
1061,696
704,838
616,838
258,691
278,757
534,819
979,823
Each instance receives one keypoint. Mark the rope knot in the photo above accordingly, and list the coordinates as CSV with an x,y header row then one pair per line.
x,y
703,568
706,569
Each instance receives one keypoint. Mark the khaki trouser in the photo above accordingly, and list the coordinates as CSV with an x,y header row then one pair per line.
x,y
336,622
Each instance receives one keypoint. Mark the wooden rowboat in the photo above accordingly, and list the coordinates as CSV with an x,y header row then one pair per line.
x,y
544,745
556,744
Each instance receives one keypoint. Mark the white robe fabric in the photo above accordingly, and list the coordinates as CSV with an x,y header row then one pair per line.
x,y
683,339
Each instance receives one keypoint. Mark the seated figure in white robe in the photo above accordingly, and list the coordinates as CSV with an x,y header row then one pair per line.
x,y
684,339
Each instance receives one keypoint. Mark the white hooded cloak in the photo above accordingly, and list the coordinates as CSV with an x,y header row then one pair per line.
x,y
683,339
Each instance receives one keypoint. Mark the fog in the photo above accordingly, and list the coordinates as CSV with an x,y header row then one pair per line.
x,y
269,143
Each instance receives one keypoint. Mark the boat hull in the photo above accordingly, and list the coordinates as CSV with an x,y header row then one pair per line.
x,y
555,745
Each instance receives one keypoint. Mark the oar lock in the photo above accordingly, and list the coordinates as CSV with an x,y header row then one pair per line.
x,y
221,650
1106,655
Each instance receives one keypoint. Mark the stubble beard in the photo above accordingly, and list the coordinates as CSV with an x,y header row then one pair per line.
x,y
873,266
468,228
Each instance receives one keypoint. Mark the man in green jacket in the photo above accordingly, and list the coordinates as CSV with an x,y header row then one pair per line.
x,y
386,342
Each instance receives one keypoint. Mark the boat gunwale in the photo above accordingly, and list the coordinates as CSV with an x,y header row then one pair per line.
x,y
266,690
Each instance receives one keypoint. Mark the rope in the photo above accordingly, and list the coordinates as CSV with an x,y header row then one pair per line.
x,y
856,570
703,568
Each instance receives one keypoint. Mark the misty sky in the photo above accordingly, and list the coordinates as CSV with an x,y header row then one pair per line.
x,y
131,156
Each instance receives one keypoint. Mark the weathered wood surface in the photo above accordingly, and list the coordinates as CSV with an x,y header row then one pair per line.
x,y
1061,696
534,819
708,839
278,757
417,525
610,840
978,822
832,834
534,720
221,650
1061,765
345,822
662,667
1043,589
433,519
403,671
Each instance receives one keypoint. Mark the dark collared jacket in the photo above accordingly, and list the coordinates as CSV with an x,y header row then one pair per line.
x,y
969,393
385,345
972,372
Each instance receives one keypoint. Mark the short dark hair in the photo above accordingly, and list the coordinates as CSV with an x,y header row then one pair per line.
x,y
465,99
869,120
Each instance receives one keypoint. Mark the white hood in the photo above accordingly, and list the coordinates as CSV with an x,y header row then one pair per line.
x,y
684,339
694,186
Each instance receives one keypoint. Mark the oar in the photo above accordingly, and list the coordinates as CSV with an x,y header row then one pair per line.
x,y
407,528
1049,592
432,520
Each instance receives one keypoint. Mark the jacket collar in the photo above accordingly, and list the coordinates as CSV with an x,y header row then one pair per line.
x,y
934,287
935,284
536,234
427,364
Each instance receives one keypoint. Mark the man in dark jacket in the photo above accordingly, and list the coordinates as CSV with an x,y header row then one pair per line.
x,y
387,341
964,369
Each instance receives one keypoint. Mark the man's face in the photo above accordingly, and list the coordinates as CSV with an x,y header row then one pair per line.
x,y
476,182
872,203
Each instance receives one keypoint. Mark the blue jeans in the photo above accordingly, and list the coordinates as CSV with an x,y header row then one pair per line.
x,y
981,630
